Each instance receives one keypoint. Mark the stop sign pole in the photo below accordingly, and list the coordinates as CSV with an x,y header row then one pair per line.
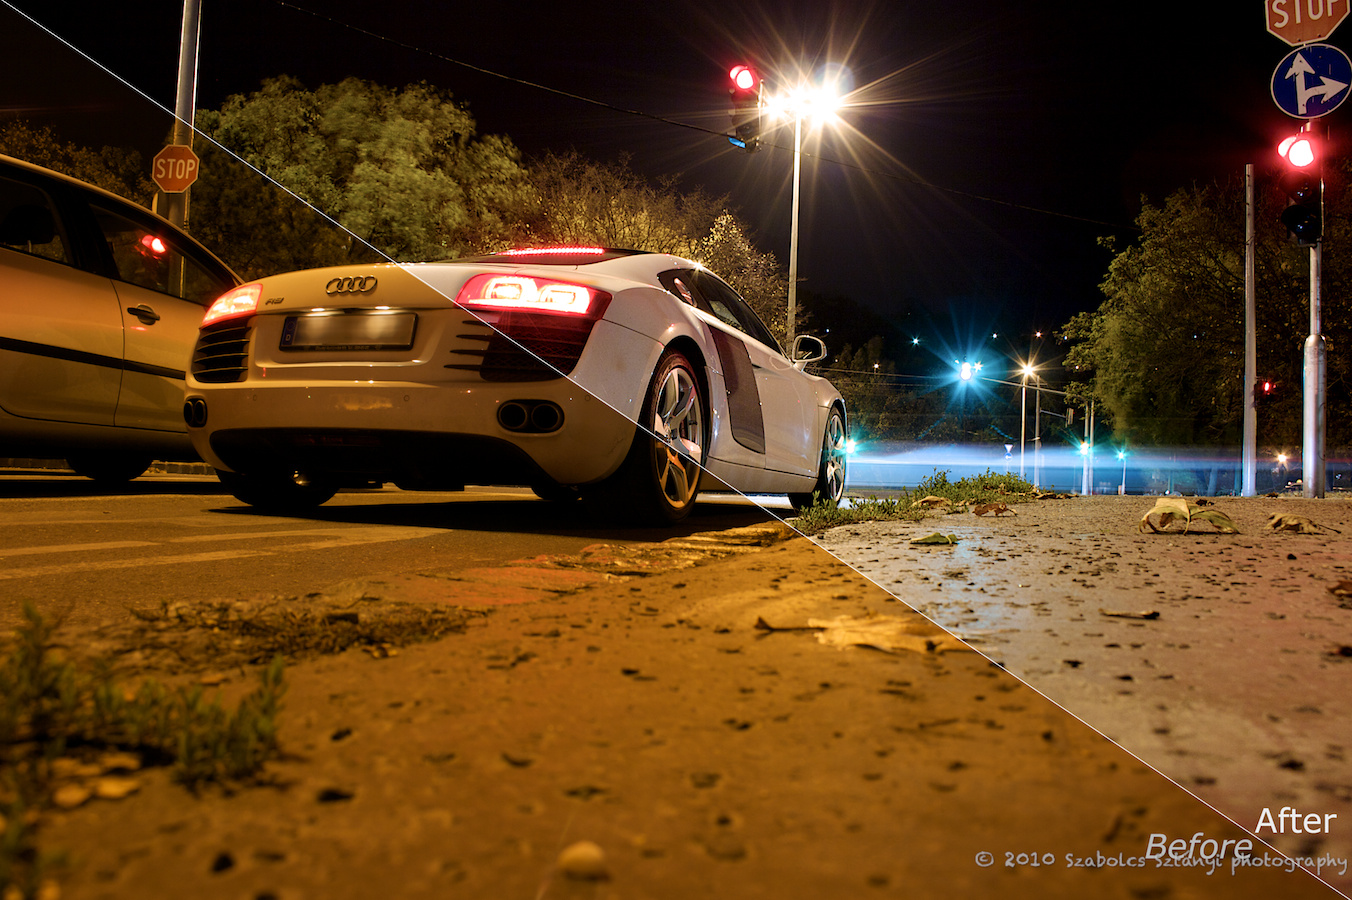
x,y
176,164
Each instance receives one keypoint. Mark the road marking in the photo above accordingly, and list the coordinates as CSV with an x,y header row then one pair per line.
x,y
335,538
74,548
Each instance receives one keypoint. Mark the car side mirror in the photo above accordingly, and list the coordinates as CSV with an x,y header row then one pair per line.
x,y
807,349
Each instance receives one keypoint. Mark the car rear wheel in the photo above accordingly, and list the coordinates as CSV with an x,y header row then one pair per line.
x,y
554,492
276,491
110,468
830,486
660,478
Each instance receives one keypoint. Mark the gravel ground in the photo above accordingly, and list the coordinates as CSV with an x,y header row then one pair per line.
x,y
1221,660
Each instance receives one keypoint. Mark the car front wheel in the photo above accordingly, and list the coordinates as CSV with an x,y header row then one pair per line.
x,y
830,486
660,477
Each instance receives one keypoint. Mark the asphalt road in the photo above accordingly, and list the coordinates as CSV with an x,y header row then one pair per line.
x,y
89,554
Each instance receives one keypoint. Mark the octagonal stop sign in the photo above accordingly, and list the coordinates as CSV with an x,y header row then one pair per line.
x,y
1304,21
174,168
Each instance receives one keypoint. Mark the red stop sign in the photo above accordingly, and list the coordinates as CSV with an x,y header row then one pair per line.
x,y
1302,21
175,168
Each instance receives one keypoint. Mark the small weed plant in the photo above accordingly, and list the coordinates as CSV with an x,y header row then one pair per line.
x,y
51,708
988,487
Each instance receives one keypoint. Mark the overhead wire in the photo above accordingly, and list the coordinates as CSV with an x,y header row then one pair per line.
x,y
891,176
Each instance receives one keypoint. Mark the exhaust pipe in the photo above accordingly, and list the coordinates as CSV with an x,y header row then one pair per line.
x,y
195,412
530,416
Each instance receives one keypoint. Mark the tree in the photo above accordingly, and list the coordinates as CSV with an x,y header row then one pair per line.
x,y
728,251
578,201
873,399
400,170
1165,349
123,172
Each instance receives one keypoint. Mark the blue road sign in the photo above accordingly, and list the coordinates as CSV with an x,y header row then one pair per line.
x,y
1311,81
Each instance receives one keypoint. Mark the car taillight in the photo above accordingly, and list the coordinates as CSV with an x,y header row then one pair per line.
x,y
530,294
242,301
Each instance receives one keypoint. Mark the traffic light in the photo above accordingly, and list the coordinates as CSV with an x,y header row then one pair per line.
x,y
1303,183
1264,389
746,108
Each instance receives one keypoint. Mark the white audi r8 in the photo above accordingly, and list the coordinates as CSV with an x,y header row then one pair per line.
x,y
574,371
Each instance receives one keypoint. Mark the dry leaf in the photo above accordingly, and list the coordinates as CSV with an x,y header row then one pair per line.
x,y
1298,524
932,502
884,633
69,796
119,762
1148,614
115,788
998,509
944,540
1168,510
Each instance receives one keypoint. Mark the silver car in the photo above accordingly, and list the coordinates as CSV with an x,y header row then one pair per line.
x,y
637,378
100,301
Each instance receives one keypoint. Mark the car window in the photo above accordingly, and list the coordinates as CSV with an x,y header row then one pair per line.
x,y
28,222
725,303
150,259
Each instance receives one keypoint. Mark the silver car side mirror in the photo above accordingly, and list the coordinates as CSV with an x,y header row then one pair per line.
x,y
807,349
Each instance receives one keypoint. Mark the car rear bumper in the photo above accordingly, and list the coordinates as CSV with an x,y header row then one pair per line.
x,y
413,434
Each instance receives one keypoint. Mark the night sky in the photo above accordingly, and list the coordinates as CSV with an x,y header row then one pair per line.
x,y
989,145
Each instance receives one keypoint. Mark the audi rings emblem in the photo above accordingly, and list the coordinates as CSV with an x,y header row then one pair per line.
x,y
351,284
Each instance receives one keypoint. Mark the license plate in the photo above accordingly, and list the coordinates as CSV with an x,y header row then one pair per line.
x,y
350,331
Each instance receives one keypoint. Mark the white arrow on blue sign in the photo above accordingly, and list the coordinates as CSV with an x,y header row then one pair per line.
x,y
1311,81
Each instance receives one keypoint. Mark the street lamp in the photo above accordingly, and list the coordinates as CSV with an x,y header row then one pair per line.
x,y
1029,371
819,104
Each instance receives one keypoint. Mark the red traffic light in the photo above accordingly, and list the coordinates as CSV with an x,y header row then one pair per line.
x,y
743,78
1299,150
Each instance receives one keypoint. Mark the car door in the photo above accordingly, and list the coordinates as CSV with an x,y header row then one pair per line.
x,y
60,327
162,288
787,401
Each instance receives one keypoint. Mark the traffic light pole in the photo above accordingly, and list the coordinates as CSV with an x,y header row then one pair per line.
x,y
1249,452
1312,463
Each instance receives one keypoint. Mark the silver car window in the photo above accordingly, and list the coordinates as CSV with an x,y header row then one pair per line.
x,y
149,259
28,222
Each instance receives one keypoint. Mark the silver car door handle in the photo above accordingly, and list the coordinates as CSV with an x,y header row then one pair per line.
x,y
144,313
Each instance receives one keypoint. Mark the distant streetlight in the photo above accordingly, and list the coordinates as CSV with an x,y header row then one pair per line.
x,y
1029,371
819,104
1122,455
